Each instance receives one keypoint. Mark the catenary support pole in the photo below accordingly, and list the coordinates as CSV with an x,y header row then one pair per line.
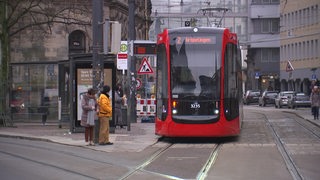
x,y
97,53
131,113
97,46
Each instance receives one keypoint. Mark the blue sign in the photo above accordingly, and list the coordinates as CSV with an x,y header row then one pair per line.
x,y
313,77
257,75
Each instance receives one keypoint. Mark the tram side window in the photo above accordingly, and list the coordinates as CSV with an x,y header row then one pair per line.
x,y
162,82
231,85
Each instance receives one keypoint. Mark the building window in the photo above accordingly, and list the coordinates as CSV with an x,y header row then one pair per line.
x,y
313,15
269,54
274,25
265,1
284,21
264,26
300,54
317,47
77,42
299,18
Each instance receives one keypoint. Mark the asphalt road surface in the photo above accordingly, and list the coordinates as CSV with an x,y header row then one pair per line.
x,y
273,145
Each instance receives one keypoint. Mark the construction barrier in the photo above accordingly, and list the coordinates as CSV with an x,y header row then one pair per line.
x,y
146,107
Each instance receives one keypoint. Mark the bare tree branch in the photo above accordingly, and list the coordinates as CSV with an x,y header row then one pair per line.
x,y
25,14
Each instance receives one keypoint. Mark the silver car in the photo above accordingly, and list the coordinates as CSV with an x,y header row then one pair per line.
x,y
299,100
282,99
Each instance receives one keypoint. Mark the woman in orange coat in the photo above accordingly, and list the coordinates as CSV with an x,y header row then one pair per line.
x,y
105,113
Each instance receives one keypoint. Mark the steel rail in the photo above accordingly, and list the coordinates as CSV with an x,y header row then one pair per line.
x,y
211,160
147,162
292,167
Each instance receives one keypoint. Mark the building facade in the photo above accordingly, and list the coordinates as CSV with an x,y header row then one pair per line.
x,y
300,44
36,52
210,13
263,47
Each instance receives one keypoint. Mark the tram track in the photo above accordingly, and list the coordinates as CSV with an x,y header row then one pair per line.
x,y
212,158
36,155
292,167
202,171
307,126
55,151
148,161
14,155
161,153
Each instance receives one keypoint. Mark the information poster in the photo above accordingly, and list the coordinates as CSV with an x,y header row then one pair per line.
x,y
84,82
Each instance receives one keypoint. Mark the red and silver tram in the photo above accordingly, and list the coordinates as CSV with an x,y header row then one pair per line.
x,y
198,83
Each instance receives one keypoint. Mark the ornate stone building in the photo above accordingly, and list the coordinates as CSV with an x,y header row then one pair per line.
x,y
55,43
38,51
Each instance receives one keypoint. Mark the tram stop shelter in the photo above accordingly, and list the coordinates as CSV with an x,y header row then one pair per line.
x,y
75,77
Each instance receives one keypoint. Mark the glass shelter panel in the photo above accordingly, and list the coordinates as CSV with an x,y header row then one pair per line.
x,y
34,86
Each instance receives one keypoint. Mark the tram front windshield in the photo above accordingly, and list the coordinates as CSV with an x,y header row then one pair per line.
x,y
195,73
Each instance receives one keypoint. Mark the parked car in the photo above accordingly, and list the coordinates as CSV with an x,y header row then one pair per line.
x,y
251,96
299,100
267,97
17,103
282,98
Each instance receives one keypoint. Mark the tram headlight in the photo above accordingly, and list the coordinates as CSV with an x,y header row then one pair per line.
x,y
174,111
216,111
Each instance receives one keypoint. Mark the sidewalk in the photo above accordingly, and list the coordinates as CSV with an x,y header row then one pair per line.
x,y
140,136
304,113
137,139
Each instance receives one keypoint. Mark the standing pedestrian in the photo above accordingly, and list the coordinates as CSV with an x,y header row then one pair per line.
x,y
44,110
89,106
117,107
105,113
120,90
315,102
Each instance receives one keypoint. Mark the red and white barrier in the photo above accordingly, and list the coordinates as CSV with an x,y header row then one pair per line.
x,y
146,107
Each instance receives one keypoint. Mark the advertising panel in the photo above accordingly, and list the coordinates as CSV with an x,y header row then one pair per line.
x,y
84,82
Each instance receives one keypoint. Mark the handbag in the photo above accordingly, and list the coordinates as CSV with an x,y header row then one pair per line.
x,y
90,118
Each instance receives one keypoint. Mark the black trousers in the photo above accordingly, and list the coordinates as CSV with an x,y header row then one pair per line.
x,y
315,112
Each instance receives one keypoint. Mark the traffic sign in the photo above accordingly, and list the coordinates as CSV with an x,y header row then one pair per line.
x,y
145,67
138,85
187,23
122,56
257,75
124,47
122,61
289,67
